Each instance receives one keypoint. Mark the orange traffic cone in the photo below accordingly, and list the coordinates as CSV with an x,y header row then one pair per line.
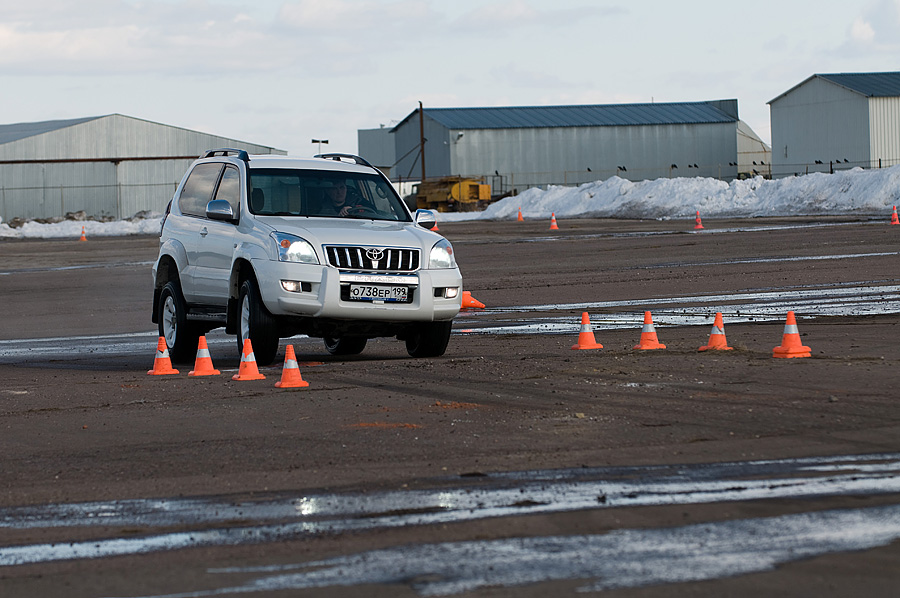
x,y
648,335
717,336
791,345
248,369
894,219
435,227
520,219
83,238
698,221
586,338
203,365
162,365
290,374
468,301
553,221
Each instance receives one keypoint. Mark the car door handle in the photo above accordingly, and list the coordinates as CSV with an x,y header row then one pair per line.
x,y
204,231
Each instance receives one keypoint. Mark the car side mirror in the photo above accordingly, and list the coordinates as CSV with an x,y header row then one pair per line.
x,y
219,209
426,218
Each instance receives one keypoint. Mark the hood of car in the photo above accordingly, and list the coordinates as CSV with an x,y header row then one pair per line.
x,y
353,231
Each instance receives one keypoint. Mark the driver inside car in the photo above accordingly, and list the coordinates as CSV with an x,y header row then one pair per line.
x,y
341,201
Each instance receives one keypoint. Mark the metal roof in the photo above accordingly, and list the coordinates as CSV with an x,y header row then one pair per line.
x,y
14,132
871,85
601,115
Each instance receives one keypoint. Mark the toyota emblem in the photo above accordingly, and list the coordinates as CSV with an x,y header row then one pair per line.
x,y
374,253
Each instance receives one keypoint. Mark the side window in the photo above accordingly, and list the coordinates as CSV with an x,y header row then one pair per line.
x,y
230,188
198,189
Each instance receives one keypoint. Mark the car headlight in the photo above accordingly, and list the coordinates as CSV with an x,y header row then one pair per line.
x,y
441,255
292,248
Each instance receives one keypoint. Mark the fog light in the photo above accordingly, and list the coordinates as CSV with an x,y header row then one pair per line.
x,y
294,286
451,292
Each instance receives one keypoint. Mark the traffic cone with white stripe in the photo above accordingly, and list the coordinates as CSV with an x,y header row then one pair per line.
x,y
894,219
469,302
553,221
791,345
699,222
162,365
648,335
586,338
717,336
290,374
520,219
248,369
84,238
203,365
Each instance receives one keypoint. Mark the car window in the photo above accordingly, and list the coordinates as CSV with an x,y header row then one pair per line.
x,y
198,189
230,188
289,192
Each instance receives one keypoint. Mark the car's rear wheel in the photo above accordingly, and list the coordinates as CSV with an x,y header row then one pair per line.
x,y
429,339
181,336
345,345
257,324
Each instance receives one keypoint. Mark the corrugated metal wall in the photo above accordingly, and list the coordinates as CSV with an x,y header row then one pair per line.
x,y
574,155
406,139
884,132
102,188
819,121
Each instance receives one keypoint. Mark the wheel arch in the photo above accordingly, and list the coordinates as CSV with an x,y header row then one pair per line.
x,y
241,270
166,271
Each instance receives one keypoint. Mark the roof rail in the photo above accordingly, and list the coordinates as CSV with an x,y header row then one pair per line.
x,y
339,157
227,151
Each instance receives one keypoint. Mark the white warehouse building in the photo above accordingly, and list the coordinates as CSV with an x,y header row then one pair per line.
x,y
520,147
837,121
111,166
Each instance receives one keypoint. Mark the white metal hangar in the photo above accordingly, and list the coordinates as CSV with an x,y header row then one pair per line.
x,y
837,121
520,147
111,166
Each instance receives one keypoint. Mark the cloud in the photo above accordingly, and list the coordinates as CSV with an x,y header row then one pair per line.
x,y
875,32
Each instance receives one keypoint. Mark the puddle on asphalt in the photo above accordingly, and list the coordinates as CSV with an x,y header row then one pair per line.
x,y
626,558
485,496
765,306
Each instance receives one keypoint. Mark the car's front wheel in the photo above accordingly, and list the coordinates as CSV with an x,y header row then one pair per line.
x,y
181,336
429,339
345,345
257,324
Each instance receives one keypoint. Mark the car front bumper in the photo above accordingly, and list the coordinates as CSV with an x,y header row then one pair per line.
x,y
325,293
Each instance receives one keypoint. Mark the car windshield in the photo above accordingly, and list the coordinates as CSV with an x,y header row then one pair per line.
x,y
329,194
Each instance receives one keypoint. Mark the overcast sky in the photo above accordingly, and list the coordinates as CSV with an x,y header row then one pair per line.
x,y
282,72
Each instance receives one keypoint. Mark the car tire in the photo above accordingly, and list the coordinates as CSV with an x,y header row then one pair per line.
x,y
181,336
429,339
255,322
345,345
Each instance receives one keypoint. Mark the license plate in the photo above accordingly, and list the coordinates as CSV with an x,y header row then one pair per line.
x,y
371,292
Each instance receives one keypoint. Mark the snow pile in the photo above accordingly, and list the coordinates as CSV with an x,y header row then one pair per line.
x,y
72,228
856,192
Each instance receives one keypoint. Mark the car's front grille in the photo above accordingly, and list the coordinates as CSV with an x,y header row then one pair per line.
x,y
373,259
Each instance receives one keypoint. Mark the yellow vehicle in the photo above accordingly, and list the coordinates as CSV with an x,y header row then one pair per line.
x,y
453,194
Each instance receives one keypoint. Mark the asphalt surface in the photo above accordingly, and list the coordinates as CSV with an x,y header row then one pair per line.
x,y
511,466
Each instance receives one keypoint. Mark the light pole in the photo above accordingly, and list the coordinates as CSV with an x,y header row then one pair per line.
x,y
320,142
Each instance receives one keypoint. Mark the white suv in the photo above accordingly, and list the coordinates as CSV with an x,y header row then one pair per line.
x,y
273,246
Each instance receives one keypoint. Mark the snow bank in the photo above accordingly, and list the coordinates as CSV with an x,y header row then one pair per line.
x,y
857,191
72,228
